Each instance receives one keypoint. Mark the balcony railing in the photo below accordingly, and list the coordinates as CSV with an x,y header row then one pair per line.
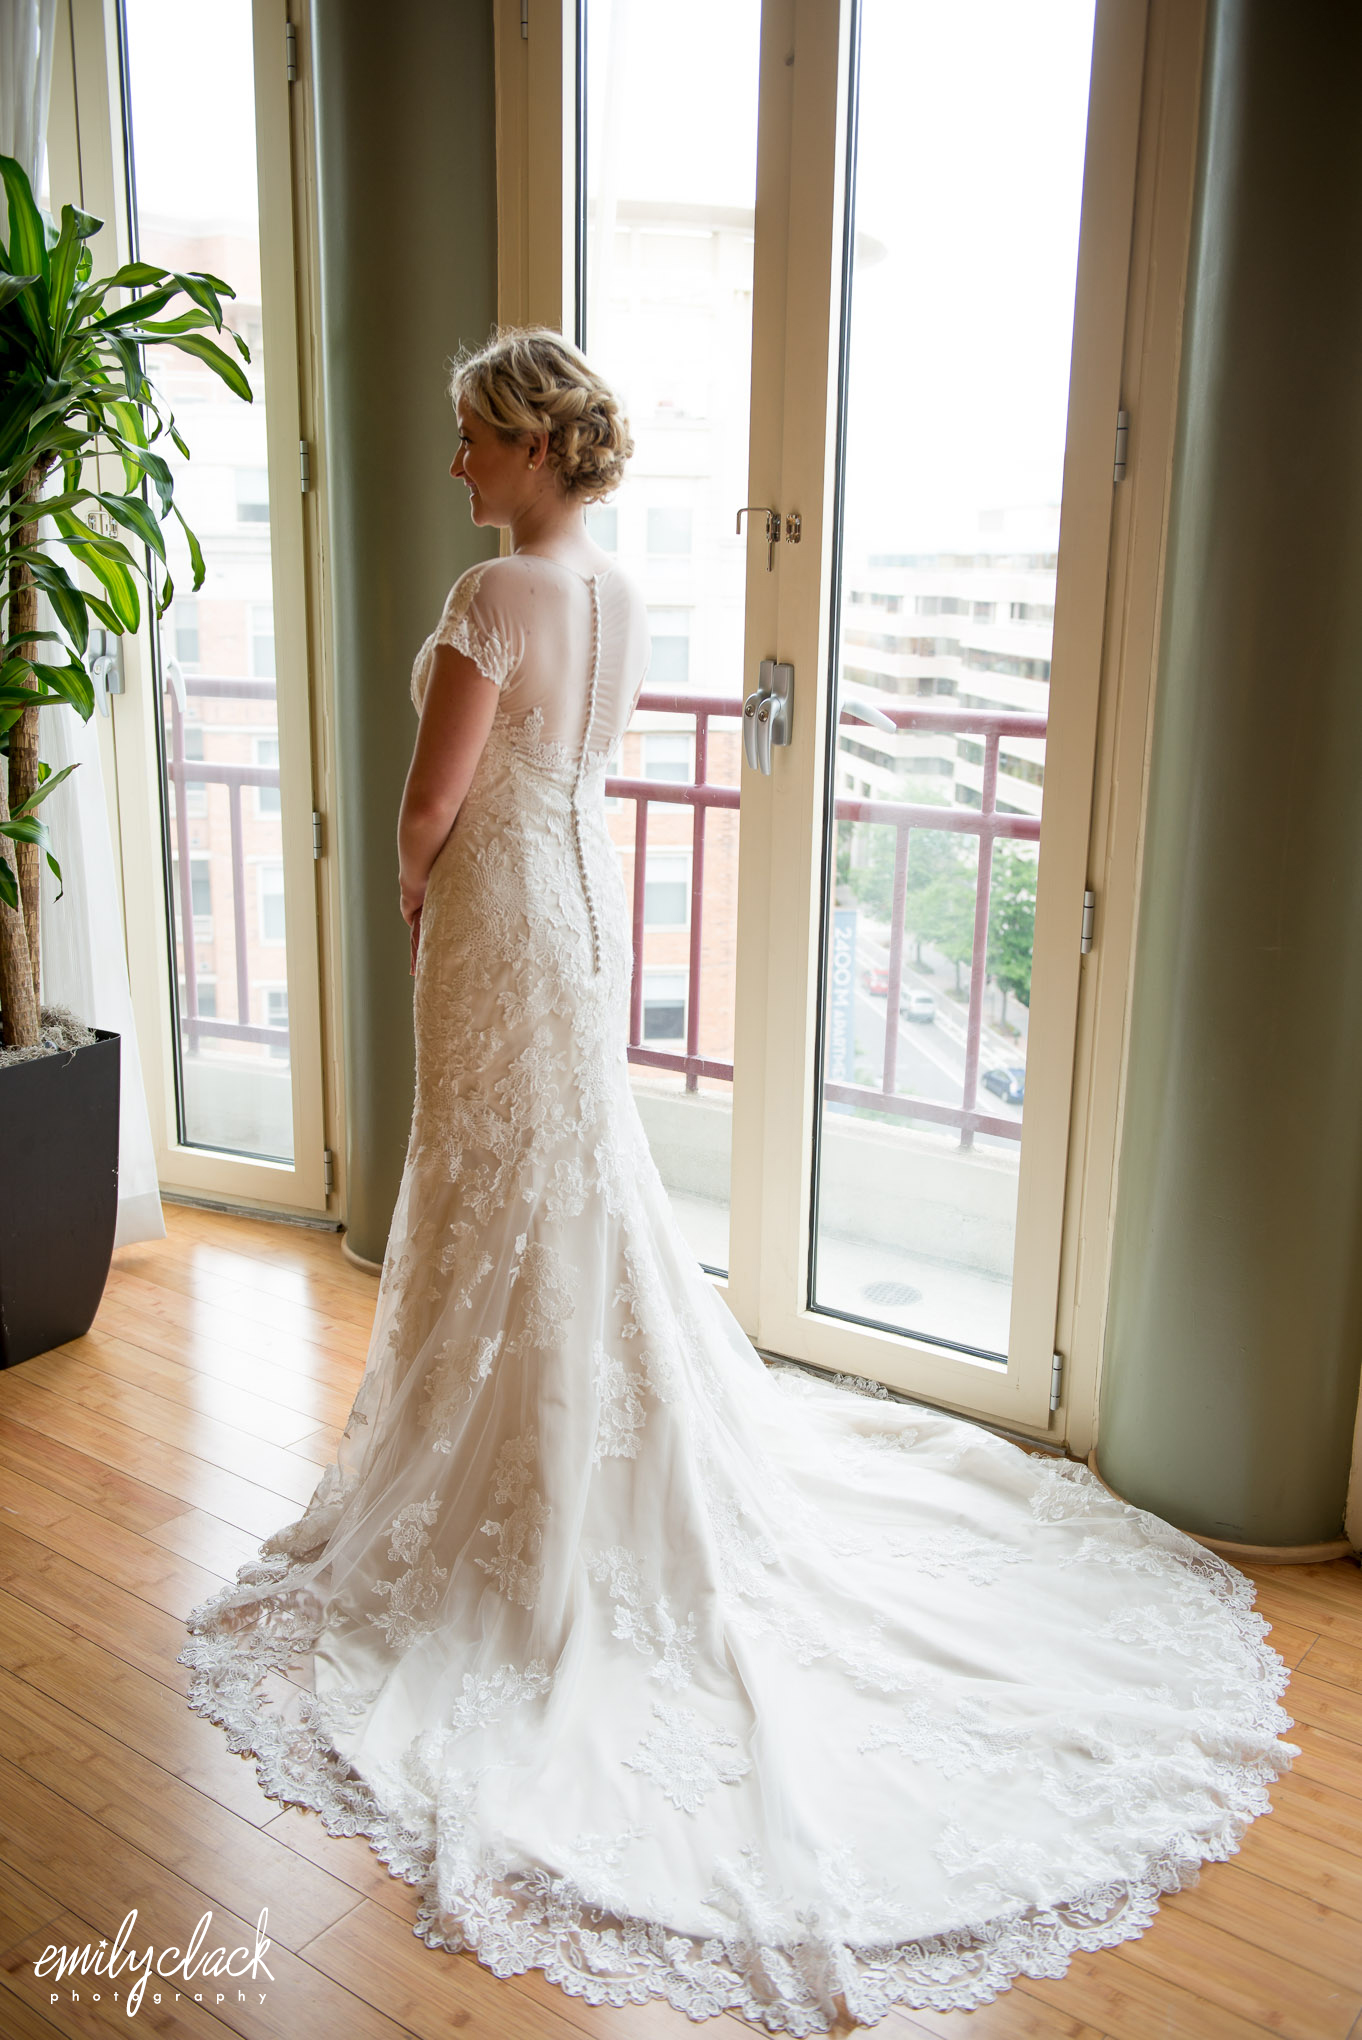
x,y
182,773
986,822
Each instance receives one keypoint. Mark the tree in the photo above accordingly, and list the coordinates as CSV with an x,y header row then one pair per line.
x,y
1012,919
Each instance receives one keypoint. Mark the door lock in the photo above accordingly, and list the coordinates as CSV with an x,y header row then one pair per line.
x,y
768,714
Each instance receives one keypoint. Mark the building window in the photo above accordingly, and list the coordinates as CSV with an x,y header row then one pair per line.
x,y
604,526
668,754
669,663
206,993
195,790
276,1015
666,889
262,641
252,496
201,890
271,903
669,531
1032,612
186,620
267,797
664,1005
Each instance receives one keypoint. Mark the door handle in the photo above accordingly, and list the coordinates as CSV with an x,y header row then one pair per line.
x,y
862,711
768,714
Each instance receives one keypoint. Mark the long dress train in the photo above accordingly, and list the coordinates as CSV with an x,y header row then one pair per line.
x,y
665,1672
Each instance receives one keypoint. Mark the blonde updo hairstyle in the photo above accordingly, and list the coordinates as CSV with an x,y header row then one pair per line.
x,y
529,379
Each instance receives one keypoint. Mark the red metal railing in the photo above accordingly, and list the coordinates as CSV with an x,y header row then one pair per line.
x,y
183,772
986,822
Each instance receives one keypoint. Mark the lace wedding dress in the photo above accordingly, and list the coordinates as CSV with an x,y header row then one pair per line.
x,y
665,1672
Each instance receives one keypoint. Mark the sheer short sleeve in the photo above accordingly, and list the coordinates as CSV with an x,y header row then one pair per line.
x,y
479,621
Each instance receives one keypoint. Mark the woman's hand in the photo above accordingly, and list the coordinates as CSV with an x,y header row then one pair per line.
x,y
412,901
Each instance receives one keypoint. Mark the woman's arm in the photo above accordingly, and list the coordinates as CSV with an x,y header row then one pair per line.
x,y
456,717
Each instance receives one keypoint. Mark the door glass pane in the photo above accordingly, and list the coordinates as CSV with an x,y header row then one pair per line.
x,y
970,137
667,225
192,172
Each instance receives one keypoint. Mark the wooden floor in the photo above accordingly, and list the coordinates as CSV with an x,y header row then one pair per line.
x,y
140,1466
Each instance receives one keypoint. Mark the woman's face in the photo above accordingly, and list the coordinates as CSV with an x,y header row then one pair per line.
x,y
495,471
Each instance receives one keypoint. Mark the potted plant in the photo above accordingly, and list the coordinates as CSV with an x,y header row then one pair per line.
x,y
73,398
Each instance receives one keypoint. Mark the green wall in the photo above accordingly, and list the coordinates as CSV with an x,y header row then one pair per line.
x,y
407,180
1235,1322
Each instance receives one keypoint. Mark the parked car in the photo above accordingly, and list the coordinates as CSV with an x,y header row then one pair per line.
x,y
876,980
918,1006
1007,1084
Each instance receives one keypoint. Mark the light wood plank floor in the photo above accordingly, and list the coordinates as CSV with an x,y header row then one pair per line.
x,y
140,1466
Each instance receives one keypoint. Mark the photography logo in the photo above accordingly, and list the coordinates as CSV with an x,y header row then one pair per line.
x,y
184,1974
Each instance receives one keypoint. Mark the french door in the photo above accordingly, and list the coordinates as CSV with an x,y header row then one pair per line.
x,y
210,735
868,300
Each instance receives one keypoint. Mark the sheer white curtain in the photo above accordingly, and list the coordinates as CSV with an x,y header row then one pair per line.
x,y
83,961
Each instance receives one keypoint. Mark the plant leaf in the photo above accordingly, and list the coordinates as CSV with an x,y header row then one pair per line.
x,y
220,362
195,550
137,516
72,683
49,782
10,286
27,240
66,599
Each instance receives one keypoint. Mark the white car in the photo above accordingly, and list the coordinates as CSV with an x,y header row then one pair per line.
x,y
918,1006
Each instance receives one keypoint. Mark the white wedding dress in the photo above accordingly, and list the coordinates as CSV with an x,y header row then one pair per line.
x,y
665,1672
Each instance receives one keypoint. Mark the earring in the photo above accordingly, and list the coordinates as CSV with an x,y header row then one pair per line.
x,y
531,463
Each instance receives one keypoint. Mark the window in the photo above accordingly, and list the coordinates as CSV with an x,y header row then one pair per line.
x,y
1031,612
195,790
271,903
252,496
276,1015
664,1005
201,890
666,889
603,524
669,531
186,622
206,992
669,664
267,797
262,641
668,754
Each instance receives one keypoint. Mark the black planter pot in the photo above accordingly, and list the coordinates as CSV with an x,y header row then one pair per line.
x,y
58,1194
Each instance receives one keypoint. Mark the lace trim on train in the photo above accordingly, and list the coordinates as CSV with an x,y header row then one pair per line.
x,y
569,1926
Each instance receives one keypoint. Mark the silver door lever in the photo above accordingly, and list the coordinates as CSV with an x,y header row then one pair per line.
x,y
768,714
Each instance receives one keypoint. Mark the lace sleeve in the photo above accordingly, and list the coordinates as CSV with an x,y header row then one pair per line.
x,y
478,624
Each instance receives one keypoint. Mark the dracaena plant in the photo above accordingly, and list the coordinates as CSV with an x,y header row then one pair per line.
x,y
76,408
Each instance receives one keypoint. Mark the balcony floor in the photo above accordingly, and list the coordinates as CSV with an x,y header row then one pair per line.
x,y
141,1465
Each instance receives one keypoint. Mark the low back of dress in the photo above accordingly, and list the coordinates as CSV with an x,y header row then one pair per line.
x,y
543,633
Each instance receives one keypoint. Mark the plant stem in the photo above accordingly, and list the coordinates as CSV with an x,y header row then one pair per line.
x,y
23,736
18,1000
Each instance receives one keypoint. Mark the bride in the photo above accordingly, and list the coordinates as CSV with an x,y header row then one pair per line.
x,y
656,1669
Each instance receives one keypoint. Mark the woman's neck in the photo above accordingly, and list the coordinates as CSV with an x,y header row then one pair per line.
x,y
554,525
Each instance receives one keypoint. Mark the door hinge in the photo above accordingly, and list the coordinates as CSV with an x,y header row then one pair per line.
x,y
1089,916
1118,471
304,466
329,1171
316,833
1056,1380
524,20
291,52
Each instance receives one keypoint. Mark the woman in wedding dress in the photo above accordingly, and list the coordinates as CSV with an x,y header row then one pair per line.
x,y
654,1668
